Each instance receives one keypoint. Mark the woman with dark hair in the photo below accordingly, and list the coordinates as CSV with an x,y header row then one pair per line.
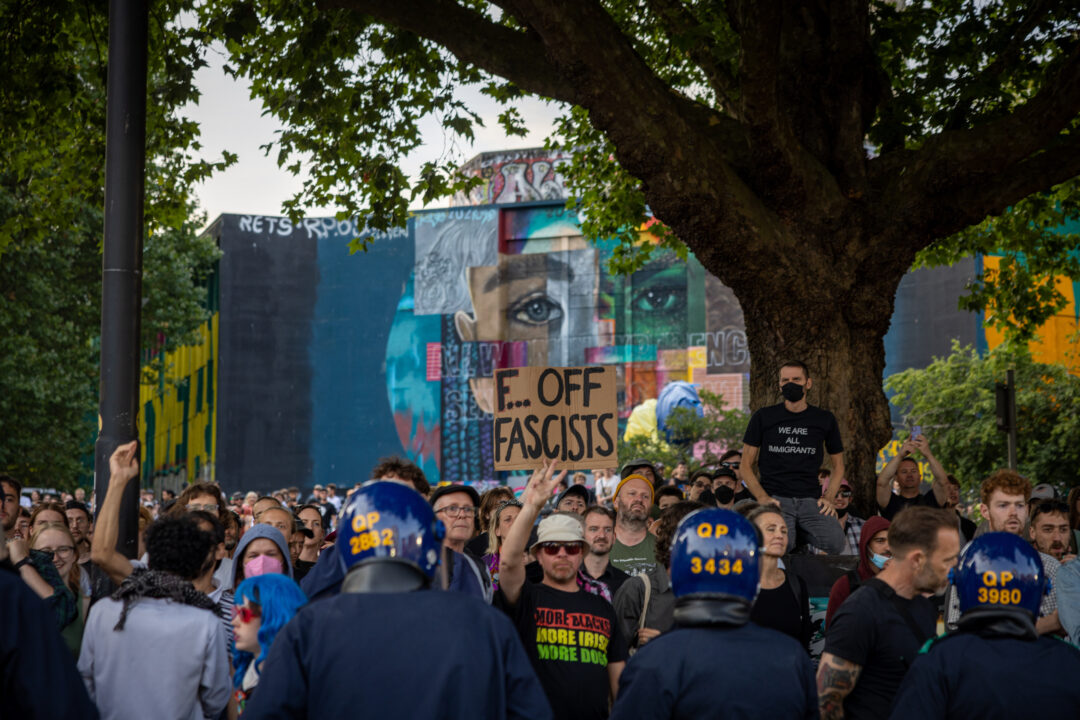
x,y
783,602
1074,520
264,604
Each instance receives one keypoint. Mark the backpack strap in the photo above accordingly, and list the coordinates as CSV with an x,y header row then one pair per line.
x,y
648,594
853,580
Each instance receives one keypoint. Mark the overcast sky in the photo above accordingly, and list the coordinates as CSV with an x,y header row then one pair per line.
x,y
231,120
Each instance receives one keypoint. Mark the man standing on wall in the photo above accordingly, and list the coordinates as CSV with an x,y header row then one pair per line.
x,y
786,441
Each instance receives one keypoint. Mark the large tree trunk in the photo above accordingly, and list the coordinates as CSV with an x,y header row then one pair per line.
x,y
773,187
846,364
792,315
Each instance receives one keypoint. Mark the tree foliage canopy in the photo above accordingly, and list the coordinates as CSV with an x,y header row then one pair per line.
x,y
806,151
953,400
52,106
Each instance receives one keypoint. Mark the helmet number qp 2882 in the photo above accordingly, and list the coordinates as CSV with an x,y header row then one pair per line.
x,y
369,540
723,566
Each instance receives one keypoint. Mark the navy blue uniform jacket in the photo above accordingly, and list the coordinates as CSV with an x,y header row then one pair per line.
x,y
398,655
38,678
734,672
963,675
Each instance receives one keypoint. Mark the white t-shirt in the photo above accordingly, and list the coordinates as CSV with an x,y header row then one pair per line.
x,y
605,488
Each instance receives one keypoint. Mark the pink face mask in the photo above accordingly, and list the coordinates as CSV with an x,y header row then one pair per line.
x,y
262,565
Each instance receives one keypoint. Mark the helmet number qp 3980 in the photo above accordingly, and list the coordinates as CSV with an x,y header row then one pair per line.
x,y
723,566
1004,596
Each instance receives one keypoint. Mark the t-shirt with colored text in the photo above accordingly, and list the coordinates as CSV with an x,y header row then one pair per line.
x,y
570,637
635,559
791,448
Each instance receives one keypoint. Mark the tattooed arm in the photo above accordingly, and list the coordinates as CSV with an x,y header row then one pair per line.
x,y
836,678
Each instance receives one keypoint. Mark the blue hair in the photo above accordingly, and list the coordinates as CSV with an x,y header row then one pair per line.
x,y
279,598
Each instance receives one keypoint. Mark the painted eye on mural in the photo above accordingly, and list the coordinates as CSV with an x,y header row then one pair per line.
x,y
659,299
535,310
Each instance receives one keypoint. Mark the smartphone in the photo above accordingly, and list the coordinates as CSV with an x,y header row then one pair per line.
x,y
916,431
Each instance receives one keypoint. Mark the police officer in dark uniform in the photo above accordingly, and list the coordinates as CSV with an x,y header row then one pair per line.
x,y
385,647
994,665
716,663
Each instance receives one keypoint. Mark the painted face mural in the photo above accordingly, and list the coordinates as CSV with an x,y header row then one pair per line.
x,y
510,287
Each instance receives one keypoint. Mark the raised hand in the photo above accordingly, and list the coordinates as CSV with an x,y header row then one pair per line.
x,y
123,465
541,484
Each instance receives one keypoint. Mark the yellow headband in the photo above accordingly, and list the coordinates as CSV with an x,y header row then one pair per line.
x,y
635,476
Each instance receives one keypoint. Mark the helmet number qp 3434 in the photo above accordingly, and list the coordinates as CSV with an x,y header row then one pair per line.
x,y
712,566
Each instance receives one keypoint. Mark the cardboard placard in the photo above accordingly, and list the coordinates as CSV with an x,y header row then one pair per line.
x,y
566,414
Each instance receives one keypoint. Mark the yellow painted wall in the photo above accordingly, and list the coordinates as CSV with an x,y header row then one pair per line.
x,y
164,412
1057,341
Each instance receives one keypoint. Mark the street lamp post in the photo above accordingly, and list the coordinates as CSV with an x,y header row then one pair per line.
x,y
121,279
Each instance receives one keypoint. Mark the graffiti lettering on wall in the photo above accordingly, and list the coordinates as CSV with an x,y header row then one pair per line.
x,y
311,228
514,177
520,287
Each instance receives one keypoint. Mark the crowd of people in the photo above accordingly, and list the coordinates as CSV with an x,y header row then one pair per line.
x,y
637,592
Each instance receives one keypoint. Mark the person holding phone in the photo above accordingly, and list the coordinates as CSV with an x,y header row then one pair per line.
x,y
905,470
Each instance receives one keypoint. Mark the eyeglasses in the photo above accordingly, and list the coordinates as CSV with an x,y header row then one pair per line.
x,y
457,511
733,465
552,548
64,552
246,613
702,483
210,508
844,494
1049,506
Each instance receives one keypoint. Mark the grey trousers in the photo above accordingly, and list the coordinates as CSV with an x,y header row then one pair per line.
x,y
804,518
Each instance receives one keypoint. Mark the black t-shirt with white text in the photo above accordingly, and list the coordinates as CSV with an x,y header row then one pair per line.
x,y
570,637
791,448
882,633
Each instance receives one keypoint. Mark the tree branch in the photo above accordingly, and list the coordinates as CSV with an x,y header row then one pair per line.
x,y
958,158
1037,11
516,56
851,61
680,20
970,204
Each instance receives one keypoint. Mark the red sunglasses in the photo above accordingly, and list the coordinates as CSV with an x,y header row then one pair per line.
x,y
552,548
245,613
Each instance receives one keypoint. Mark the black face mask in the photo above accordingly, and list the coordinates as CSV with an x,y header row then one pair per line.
x,y
723,494
841,513
792,392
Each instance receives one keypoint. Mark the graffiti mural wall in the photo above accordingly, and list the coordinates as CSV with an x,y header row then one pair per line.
x,y
512,286
317,363
323,361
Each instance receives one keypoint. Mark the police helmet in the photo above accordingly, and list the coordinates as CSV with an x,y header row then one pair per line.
x,y
716,553
999,571
389,521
